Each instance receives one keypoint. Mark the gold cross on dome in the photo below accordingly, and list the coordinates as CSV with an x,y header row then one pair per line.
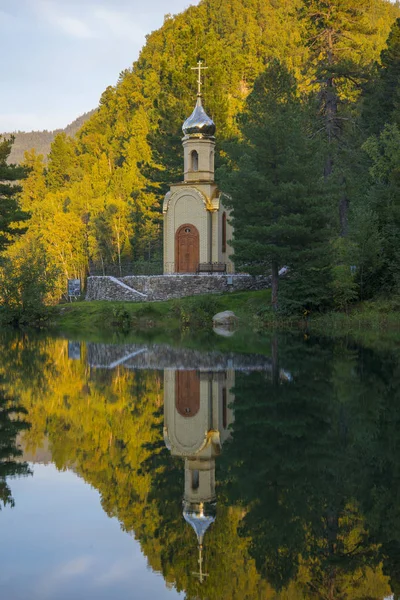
x,y
199,68
200,575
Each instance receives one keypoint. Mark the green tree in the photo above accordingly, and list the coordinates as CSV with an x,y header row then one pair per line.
x,y
384,200
34,186
26,282
273,179
61,162
11,215
339,34
381,98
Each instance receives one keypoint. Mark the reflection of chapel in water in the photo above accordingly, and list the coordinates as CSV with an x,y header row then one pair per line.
x,y
196,424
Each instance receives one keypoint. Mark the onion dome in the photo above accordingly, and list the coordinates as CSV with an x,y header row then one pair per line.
x,y
199,517
199,123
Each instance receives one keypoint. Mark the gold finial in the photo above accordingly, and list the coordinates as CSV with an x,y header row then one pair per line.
x,y
199,68
200,575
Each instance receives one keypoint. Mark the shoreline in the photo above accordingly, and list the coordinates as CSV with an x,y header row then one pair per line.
x,y
252,308
371,319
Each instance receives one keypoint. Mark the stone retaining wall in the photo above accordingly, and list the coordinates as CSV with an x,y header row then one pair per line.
x,y
166,287
161,356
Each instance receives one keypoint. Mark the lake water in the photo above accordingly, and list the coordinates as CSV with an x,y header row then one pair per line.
x,y
220,470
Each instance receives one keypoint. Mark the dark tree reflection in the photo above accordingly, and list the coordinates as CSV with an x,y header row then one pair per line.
x,y
314,462
11,425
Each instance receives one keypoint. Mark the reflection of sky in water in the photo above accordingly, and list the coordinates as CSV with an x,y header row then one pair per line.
x,y
57,543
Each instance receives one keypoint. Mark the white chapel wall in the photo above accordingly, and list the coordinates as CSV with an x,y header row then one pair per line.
x,y
185,208
186,435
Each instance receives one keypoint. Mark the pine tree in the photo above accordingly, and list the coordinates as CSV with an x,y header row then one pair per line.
x,y
381,99
383,198
336,30
11,215
274,183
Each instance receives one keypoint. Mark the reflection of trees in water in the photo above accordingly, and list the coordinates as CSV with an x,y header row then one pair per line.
x,y
30,360
302,460
381,491
10,426
308,487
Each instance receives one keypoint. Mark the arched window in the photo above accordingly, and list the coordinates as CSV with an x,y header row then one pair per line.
x,y
195,160
212,161
224,232
195,479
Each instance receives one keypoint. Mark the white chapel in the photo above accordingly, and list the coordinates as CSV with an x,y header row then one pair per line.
x,y
197,231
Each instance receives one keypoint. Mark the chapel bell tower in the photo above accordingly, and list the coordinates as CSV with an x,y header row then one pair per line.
x,y
199,141
197,420
196,225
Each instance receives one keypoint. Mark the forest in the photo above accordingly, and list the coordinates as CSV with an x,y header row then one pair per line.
x,y
305,95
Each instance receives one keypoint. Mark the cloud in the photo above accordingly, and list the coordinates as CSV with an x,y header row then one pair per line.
x,y
71,25
75,27
119,23
116,573
7,19
62,575
90,20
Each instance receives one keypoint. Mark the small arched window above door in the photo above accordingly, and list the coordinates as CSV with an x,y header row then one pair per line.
x,y
194,156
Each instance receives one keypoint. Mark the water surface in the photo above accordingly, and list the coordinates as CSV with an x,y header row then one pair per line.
x,y
155,471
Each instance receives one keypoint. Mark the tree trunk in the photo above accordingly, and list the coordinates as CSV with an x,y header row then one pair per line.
x,y
328,168
331,110
275,283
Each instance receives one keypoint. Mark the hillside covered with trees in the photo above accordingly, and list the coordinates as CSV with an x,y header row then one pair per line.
x,y
289,84
40,141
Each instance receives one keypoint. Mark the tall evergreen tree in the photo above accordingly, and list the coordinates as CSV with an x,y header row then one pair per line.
x,y
274,183
381,101
11,214
383,198
336,30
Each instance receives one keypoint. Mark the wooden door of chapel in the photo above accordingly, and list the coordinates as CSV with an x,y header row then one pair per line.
x,y
187,249
187,393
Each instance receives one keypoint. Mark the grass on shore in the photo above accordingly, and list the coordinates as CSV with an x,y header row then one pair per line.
x,y
196,312
371,323
367,322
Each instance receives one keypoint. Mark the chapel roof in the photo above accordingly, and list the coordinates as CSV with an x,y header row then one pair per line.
x,y
199,123
200,518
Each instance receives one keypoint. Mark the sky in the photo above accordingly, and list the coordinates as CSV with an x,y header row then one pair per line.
x,y
58,56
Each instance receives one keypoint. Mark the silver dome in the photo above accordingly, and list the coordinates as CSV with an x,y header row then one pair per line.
x,y
199,123
200,518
